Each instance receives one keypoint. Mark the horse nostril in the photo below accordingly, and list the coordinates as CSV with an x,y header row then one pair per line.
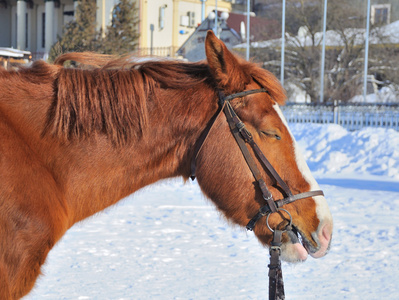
x,y
326,232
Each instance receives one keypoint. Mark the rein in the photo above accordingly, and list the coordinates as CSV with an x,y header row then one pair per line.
x,y
243,137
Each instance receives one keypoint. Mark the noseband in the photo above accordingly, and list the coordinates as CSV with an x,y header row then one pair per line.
x,y
243,136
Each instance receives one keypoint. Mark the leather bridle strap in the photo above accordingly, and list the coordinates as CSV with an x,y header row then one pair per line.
x,y
242,135
265,210
276,283
201,141
234,121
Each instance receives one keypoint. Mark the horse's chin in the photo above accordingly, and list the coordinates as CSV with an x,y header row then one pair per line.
x,y
297,248
293,253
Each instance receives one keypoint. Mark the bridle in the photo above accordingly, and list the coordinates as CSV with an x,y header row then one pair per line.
x,y
243,137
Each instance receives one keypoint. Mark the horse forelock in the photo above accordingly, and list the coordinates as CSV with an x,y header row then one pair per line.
x,y
266,80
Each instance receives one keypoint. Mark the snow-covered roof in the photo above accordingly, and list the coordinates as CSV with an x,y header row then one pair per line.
x,y
388,34
11,52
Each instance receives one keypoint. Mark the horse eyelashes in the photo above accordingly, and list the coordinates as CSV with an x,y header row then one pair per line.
x,y
271,134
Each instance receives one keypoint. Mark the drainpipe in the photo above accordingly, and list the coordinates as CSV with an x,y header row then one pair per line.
x,y
203,10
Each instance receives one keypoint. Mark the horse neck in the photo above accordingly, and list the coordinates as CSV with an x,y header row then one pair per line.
x,y
23,104
96,174
92,173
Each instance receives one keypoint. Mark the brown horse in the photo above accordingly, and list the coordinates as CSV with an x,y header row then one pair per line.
x,y
74,141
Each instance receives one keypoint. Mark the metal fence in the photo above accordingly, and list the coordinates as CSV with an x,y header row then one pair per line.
x,y
157,51
350,116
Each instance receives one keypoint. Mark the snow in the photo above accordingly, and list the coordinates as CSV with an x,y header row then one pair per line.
x,y
168,242
333,149
386,94
11,52
296,94
388,33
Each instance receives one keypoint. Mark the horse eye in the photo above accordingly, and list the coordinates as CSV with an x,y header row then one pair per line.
x,y
271,134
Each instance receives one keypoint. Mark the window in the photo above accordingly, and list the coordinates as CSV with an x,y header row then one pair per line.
x,y
191,17
381,14
161,19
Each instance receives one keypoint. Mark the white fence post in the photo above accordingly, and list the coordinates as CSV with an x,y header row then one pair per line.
x,y
335,112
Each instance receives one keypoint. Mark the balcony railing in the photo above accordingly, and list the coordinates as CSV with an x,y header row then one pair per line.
x,y
155,51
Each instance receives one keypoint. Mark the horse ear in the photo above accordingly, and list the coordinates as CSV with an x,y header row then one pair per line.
x,y
224,66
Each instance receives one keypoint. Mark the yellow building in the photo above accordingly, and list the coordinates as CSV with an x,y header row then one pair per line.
x,y
173,21
34,25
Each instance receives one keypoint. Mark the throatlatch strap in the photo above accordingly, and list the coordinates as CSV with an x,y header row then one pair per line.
x,y
204,135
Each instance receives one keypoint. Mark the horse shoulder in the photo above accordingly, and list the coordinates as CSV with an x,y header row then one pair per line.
x,y
32,214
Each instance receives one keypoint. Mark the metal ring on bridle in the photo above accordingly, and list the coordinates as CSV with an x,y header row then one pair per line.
x,y
267,220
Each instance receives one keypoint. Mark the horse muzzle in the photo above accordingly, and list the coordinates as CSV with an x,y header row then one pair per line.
x,y
299,247
323,238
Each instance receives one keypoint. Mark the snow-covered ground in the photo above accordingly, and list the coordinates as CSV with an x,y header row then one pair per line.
x,y
168,242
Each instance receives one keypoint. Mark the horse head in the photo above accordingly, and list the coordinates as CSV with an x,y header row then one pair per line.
x,y
225,177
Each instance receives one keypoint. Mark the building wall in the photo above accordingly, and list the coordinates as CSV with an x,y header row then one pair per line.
x,y
13,26
31,28
171,32
161,35
40,38
5,26
175,31
34,24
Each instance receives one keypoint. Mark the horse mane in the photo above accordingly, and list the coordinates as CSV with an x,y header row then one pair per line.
x,y
266,80
112,95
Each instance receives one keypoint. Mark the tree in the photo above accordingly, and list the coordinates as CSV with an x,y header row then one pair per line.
x,y
122,35
383,66
80,34
344,65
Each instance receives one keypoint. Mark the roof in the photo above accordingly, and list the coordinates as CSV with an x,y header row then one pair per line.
x,y
11,52
261,28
